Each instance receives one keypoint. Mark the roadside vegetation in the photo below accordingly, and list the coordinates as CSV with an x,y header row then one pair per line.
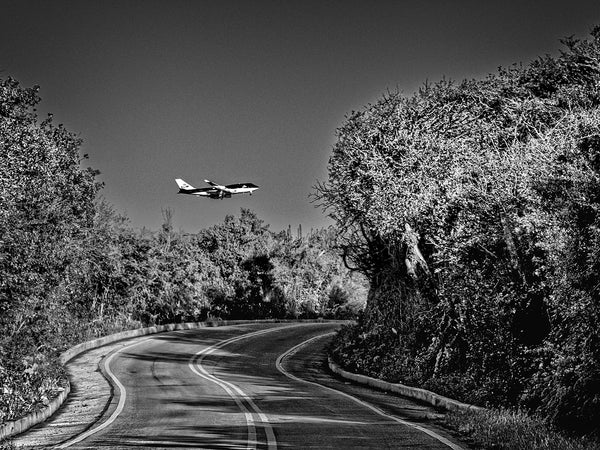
x,y
505,429
473,208
72,269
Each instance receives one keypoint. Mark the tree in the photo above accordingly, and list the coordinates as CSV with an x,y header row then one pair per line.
x,y
239,250
46,210
471,208
47,204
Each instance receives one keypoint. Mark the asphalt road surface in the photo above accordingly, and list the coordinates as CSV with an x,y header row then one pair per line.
x,y
258,386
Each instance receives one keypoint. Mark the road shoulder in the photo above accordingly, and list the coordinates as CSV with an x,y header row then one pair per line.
x,y
89,397
310,363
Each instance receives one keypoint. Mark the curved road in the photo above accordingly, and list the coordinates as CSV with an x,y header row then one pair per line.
x,y
257,386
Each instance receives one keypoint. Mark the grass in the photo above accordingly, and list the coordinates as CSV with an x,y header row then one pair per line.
x,y
502,429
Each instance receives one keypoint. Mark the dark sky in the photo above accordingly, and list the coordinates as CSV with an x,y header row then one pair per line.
x,y
238,91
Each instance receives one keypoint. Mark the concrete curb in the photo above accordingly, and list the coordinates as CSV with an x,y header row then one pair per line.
x,y
80,348
406,391
12,428
15,427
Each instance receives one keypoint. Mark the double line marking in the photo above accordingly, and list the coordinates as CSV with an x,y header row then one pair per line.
x,y
243,401
252,412
195,365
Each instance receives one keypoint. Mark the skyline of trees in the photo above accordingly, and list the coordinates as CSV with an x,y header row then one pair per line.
x,y
72,269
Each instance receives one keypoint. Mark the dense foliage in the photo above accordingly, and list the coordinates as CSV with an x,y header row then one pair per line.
x,y
72,269
46,209
473,208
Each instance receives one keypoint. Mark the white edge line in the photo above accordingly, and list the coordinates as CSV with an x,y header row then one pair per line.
x,y
294,349
120,405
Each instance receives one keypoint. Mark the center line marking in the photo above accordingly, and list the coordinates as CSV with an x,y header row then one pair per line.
x,y
195,365
235,392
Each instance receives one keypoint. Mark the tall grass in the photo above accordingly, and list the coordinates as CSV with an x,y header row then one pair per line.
x,y
502,429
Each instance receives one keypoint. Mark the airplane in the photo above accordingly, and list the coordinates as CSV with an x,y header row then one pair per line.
x,y
216,191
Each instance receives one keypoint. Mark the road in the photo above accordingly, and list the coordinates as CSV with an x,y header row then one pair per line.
x,y
242,388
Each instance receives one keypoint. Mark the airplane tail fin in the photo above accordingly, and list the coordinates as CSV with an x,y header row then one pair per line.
x,y
183,186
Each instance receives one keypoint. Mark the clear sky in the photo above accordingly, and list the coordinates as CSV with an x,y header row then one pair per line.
x,y
237,91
